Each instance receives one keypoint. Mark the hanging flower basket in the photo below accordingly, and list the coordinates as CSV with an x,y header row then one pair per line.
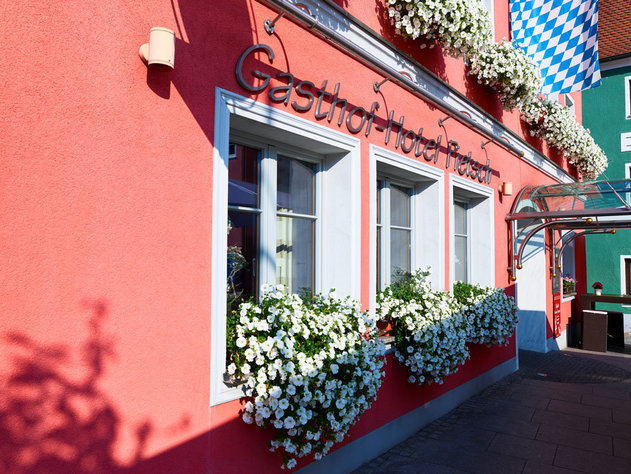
x,y
311,368
429,333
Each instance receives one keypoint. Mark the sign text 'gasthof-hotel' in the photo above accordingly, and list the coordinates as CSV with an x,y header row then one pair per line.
x,y
358,118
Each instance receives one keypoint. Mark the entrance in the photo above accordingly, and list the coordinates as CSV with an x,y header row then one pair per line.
x,y
530,294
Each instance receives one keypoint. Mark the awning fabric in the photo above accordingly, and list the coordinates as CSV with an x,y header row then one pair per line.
x,y
596,207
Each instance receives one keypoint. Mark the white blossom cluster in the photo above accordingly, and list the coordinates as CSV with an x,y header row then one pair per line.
x,y
312,368
557,125
490,314
460,26
515,76
430,333
463,28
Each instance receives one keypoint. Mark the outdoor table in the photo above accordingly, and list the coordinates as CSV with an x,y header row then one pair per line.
x,y
598,324
589,300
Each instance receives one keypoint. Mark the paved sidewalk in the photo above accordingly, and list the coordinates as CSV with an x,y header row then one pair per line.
x,y
562,412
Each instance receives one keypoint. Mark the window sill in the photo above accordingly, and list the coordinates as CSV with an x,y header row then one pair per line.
x,y
568,297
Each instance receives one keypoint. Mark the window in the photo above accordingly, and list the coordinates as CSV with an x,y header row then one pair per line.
x,y
625,275
471,239
568,272
295,224
627,97
564,99
394,230
570,104
243,224
278,181
461,241
489,6
407,229
295,220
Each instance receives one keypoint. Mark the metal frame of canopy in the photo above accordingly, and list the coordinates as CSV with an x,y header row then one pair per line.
x,y
597,207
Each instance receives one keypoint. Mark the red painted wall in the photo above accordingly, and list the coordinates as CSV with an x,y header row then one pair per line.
x,y
105,223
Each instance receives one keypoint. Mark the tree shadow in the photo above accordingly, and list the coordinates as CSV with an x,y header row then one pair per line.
x,y
52,423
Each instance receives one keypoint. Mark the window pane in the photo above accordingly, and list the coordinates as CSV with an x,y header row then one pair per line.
x,y
378,204
460,218
567,258
399,206
627,271
243,177
295,185
242,257
399,250
460,258
378,258
295,253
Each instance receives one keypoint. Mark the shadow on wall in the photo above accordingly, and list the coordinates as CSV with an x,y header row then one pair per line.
x,y
431,57
52,423
200,53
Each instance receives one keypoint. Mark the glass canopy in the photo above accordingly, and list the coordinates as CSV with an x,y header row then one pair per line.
x,y
596,207
597,198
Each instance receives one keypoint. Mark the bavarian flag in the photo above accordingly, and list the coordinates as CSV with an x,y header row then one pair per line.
x,y
562,37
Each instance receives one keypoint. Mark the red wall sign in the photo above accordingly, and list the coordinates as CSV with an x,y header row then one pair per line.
x,y
556,304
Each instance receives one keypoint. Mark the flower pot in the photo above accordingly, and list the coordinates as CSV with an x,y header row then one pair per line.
x,y
598,291
386,327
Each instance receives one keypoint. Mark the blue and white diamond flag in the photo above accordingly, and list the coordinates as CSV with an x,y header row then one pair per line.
x,y
562,37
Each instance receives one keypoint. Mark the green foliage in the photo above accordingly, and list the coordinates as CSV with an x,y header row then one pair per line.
x,y
466,291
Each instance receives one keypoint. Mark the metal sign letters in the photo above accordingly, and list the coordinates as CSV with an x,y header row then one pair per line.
x,y
358,118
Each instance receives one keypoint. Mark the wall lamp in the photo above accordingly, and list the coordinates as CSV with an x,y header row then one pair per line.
x,y
160,50
506,188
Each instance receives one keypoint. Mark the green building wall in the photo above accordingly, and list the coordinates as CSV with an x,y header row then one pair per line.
x,y
604,113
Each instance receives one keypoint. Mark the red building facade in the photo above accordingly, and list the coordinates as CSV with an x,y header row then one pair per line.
x,y
121,183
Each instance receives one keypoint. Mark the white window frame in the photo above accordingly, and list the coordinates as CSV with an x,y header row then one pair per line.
x,y
466,204
490,6
627,97
568,248
341,182
570,104
623,277
627,175
481,219
316,218
428,213
267,205
386,225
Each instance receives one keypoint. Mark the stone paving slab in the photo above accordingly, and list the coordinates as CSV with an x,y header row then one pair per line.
x,y
586,461
533,467
574,422
553,434
617,430
578,409
622,448
523,448
605,401
563,412
622,416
